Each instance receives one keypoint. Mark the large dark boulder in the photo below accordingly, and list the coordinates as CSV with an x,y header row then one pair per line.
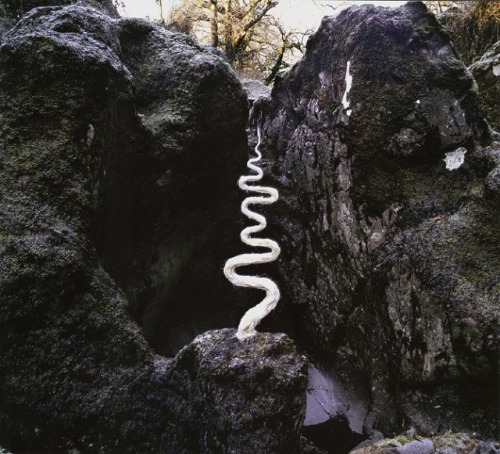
x,y
250,394
173,150
120,146
390,257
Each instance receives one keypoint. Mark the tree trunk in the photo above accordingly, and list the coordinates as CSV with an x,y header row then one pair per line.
x,y
214,25
229,49
160,4
276,67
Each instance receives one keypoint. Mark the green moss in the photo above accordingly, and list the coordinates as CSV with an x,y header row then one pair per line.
x,y
458,442
391,443
472,238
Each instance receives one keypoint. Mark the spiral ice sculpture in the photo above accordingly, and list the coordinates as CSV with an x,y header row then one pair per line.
x,y
255,315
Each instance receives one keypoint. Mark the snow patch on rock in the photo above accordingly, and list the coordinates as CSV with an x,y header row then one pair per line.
x,y
455,159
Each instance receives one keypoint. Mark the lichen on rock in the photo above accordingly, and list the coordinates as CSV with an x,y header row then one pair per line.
x,y
453,443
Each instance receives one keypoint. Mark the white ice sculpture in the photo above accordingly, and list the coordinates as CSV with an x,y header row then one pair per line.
x,y
254,315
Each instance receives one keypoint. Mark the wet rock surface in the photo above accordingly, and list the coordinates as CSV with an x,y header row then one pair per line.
x,y
118,141
390,262
256,392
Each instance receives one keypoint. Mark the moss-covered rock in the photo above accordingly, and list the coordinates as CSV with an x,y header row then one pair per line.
x,y
118,140
454,443
256,403
473,28
390,258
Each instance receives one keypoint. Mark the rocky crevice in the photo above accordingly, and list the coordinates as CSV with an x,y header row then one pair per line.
x,y
120,147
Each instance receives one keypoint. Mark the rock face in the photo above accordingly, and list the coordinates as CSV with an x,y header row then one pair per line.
x,y
118,141
162,126
486,71
388,221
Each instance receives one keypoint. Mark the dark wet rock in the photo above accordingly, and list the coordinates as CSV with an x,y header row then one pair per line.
x,y
118,142
492,186
165,156
486,71
390,250
251,393
195,112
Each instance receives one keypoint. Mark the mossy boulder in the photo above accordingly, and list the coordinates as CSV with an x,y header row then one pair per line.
x,y
118,141
257,397
390,250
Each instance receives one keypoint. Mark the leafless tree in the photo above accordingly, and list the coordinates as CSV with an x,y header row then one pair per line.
x,y
231,25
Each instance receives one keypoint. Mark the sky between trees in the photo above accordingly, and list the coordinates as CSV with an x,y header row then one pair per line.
x,y
300,14
259,38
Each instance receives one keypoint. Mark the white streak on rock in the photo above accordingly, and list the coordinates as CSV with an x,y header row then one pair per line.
x,y
348,85
90,136
255,315
455,159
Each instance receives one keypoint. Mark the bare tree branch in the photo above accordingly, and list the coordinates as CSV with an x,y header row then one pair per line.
x,y
245,30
